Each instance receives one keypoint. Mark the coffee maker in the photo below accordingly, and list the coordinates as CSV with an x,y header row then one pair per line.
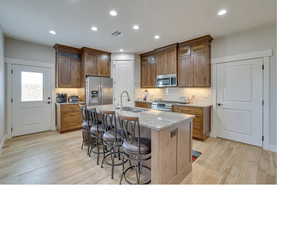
x,y
61,98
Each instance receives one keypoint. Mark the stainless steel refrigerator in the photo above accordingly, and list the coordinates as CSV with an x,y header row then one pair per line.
x,y
99,90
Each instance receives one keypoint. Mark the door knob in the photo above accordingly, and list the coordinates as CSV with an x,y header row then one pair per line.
x,y
219,104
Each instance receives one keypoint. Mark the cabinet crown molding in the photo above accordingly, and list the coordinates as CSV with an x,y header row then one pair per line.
x,y
93,51
65,48
204,39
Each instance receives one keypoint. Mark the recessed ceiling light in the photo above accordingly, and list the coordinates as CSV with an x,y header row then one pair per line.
x,y
94,28
136,27
156,36
52,32
113,12
121,50
222,12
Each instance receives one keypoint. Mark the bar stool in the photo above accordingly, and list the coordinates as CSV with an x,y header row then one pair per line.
x,y
85,125
112,140
96,134
91,139
137,149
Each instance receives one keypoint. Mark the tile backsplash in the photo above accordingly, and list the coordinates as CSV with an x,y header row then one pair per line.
x,y
197,95
72,91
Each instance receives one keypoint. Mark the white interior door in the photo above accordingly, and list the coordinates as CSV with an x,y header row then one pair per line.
x,y
239,101
31,100
123,76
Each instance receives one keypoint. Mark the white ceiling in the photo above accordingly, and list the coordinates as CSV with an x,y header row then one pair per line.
x,y
173,20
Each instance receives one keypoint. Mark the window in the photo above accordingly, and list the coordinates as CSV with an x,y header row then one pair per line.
x,y
31,86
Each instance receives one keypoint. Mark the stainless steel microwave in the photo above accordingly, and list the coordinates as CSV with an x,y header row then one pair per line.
x,y
168,80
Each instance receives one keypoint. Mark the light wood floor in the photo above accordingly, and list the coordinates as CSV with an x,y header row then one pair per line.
x,y
53,158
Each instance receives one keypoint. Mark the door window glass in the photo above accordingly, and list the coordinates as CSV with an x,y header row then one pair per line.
x,y
31,86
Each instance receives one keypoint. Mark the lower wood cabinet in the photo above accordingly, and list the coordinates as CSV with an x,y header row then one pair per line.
x,y
68,117
143,105
201,122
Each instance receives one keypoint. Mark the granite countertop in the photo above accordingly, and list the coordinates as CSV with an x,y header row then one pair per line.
x,y
204,104
150,118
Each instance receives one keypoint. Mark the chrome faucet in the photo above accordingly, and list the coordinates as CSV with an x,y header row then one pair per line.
x,y
121,97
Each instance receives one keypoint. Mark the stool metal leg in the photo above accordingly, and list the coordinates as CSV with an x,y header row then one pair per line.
x,y
98,151
113,163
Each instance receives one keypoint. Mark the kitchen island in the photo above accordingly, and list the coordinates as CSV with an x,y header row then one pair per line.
x,y
171,142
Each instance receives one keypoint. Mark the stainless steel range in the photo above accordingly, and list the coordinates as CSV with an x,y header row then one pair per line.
x,y
162,106
165,105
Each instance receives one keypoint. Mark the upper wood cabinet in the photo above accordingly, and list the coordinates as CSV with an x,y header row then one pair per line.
x,y
166,60
190,60
95,62
148,70
68,67
158,62
194,63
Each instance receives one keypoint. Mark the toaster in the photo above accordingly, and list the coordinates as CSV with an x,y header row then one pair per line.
x,y
73,99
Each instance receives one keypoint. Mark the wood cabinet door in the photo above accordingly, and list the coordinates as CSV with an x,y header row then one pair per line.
x,y
144,72
75,71
201,65
64,79
90,64
172,61
152,71
185,71
161,62
103,64
167,62
148,72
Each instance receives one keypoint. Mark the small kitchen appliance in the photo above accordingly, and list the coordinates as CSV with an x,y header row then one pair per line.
x,y
61,98
73,99
168,80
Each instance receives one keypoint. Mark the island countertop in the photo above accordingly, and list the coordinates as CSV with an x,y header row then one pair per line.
x,y
150,118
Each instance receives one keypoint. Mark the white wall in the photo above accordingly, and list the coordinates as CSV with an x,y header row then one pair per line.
x,y
258,39
29,51
2,90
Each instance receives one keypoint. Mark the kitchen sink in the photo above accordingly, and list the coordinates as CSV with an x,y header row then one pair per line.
x,y
133,109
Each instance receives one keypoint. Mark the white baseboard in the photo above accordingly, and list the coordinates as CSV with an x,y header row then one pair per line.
x,y
272,148
2,140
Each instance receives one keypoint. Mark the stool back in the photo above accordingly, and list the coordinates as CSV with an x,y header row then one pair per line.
x,y
131,130
109,120
111,123
83,113
92,113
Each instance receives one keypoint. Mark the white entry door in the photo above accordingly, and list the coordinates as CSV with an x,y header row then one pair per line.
x,y
31,100
239,101
123,76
